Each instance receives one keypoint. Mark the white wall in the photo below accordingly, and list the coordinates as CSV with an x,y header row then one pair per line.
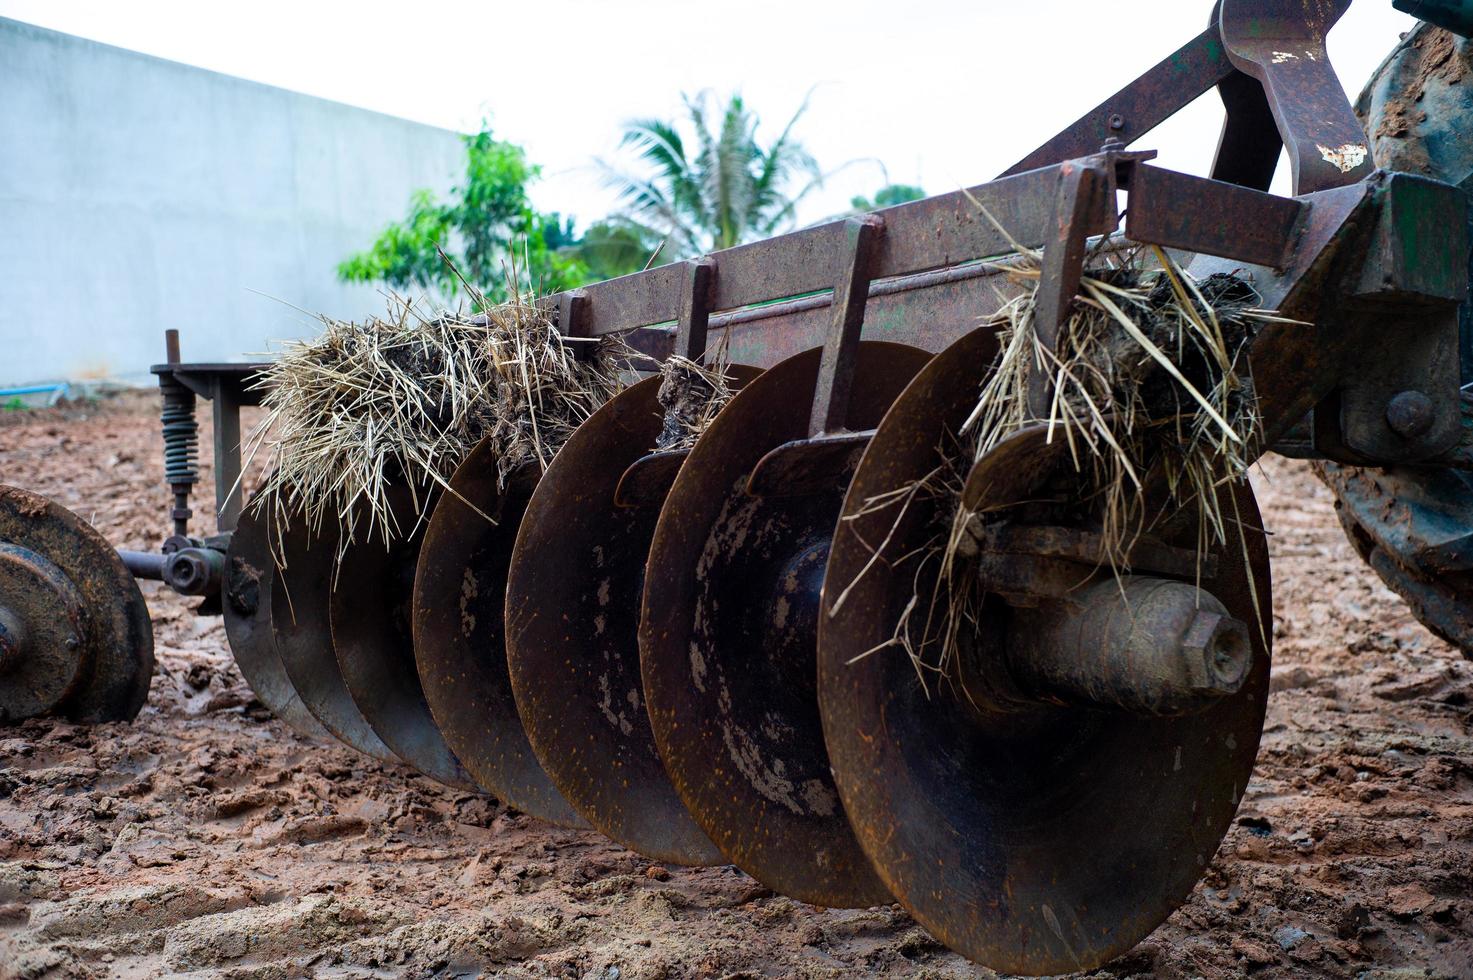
x,y
138,194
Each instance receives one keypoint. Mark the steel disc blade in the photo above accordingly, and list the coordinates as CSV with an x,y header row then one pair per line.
x,y
572,613
1032,841
728,633
300,597
459,639
104,673
250,571
370,615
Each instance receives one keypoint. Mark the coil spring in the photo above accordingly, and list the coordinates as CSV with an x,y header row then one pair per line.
x,y
181,435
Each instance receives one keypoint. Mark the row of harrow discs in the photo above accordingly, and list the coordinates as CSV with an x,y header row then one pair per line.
x,y
694,651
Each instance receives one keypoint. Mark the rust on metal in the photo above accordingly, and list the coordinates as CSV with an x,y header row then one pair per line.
x,y
727,631
460,638
572,618
370,612
301,595
250,571
998,844
59,566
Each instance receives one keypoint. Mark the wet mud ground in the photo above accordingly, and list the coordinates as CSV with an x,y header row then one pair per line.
x,y
207,839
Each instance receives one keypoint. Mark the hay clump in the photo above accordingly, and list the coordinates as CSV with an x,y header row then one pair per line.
x,y
403,398
1151,372
692,395
543,390
1152,392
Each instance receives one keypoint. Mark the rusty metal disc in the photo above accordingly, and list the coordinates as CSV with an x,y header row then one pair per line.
x,y
572,615
459,639
75,637
728,631
249,574
1035,840
371,633
300,597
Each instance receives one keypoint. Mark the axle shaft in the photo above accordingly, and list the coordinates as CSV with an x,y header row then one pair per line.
x,y
1143,645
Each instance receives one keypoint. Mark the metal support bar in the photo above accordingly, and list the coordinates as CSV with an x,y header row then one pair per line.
x,y
1283,46
225,410
695,308
1223,219
1248,150
841,348
572,321
1139,107
144,564
1080,186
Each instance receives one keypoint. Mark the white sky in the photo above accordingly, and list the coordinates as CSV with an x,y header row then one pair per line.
x,y
946,93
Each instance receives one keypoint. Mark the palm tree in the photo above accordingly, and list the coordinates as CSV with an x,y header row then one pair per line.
x,y
732,190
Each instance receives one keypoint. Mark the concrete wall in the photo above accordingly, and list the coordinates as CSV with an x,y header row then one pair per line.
x,y
138,194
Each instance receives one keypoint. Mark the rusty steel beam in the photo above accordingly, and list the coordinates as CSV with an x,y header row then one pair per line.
x,y
1177,211
921,236
1141,106
1283,47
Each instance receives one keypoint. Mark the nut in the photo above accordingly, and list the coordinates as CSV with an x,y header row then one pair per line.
x,y
1410,414
1219,652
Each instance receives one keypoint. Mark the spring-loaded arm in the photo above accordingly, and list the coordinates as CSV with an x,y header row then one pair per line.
x,y
181,439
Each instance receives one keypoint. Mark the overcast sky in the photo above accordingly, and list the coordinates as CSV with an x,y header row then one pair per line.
x,y
944,94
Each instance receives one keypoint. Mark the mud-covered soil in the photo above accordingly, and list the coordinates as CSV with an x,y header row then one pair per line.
x,y
207,839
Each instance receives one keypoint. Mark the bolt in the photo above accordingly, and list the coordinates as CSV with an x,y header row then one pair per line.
x,y
1219,652
1117,121
1410,414
72,643
186,572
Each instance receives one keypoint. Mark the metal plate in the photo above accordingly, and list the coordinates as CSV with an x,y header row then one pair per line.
x,y
42,625
370,615
300,596
249,573
572,614
1034,841
459,639
727,638
116,644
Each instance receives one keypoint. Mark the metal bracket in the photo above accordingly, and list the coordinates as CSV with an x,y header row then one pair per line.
x,y
1397,400
1282,45
649,478
841,347
694,319
572,317
1081,185
809,465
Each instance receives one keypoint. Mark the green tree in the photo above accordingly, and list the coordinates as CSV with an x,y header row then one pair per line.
x,y
887,197
616,247
709,182
487,226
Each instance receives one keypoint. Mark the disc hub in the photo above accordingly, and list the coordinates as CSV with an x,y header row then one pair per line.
x,y
41,625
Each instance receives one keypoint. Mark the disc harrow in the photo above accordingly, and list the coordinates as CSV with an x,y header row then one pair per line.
x,y
724,654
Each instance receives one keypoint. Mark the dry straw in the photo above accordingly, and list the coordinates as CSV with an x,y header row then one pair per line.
x,y
1149,387
402,399
692,394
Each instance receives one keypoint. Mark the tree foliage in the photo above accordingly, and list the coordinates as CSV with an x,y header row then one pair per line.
x,y
886,197
486,226
708,181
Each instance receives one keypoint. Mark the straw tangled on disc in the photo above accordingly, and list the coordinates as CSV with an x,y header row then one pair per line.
x,y
1149,387
691,395
403,398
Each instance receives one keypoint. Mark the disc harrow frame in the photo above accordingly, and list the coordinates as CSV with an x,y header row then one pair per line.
x,y
868,329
